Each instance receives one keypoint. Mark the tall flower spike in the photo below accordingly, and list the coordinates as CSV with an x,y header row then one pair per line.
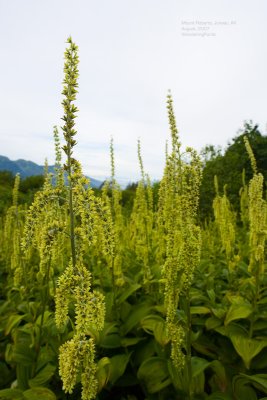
x,y
225,221
141,223
70,85
112,162
251,155
178,203
59,175
257,219
176,144
140,160
69,92
15,192
87,219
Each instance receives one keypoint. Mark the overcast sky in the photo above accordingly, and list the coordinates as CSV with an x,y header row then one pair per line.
x,y
210,53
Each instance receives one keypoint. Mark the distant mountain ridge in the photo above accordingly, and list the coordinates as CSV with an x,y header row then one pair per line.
x,y
29,168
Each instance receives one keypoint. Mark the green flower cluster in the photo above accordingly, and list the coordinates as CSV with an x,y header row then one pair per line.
x,y
178,202
142,220
257,218
225,221
75,355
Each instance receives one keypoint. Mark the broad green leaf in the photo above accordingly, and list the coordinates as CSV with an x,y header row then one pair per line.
x,y
197,295
242,390
24,373
233,329
103,372
260,325
20,353
47,355
237,311
45,317
204,349
198,365
247,348
155,324
13,321
212,295
212,323
39,393
198,383
199,310
235,298
128,292
219,396
144,351
43,376
263,299
160,333
220,378
149,322
219,312
11,394
109,337
125,342
258,380
136,315
154,372
110,342
176,375
118,366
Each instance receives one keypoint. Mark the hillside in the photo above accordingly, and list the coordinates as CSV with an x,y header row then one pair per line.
x,y
29,168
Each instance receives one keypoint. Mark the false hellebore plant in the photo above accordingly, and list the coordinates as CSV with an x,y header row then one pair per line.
x,y
73,211
178,204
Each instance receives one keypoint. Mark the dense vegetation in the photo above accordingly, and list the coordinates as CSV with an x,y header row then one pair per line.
x,y
232,167
128,295
28,187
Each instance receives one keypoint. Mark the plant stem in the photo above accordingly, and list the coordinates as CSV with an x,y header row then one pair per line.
x,y
188,344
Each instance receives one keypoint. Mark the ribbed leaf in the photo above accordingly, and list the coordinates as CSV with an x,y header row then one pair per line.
x,y
237,311
136,315
154,372
11,394
247,348
43,376
127,293
198,365
259,381
103,372
13,321
39,393
199,310
118,366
